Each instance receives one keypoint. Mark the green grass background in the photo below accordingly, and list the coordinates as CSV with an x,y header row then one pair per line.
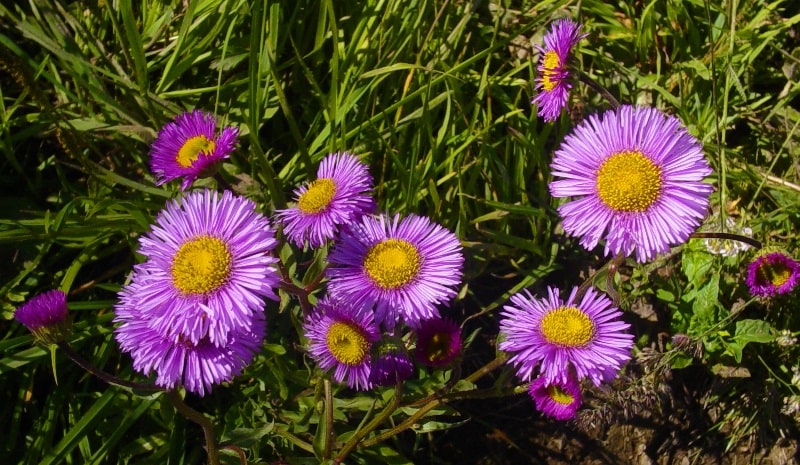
x,y
433,94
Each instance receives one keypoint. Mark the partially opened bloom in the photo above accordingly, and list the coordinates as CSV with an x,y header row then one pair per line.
x,y
636,175
771,274
559,336
340,338
338,196
390,366
177,360
553,81
404,267
190,147
208,268
559,400
438,342
46,316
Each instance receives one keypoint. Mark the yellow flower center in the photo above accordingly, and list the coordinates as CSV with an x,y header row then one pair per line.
x,y
191,149
551,64
559,395
567,327
319,194
774,273
438,347
392,263
629,182
201,265
347,343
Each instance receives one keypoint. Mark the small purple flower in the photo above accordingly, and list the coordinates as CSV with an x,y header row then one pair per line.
x,y
637,177
189,147
339,196
390,367
771,274
553,81
340,338
177,360
559,400
207,269
405,267
46,316
555,335
438,342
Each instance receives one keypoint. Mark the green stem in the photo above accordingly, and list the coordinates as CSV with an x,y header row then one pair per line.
x,y
107,377
412,420
200,419
377,421
328,419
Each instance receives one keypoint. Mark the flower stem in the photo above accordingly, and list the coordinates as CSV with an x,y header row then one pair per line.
x,y
380,418
584,78
730,236
107,377
200,419
328,419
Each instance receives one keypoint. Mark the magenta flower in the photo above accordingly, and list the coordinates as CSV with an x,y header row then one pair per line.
x,y
771,274
438,342
190,148
637,178
46,317
339,196
553,81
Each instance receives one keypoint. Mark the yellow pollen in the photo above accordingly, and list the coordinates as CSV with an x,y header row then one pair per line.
x,y
191,149
567,327
774,273
347,343
629,182
551,64
201,265
319,194
559,395
438,347
392,263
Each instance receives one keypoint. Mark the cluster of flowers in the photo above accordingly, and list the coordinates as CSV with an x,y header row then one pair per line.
x,y
636,178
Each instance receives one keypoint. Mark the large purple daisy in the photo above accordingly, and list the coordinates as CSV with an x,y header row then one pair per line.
x,y
402,266
559,400
177,360
189,147
340,338
637,175
338,196
46,316
555,335
553,81
208,267
772,273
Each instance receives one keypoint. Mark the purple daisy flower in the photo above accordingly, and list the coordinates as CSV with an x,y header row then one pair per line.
x,y
556,335
340,337
559,400
208,267
177,361
553,82
189,147
638,174
402,266
772,273
46,317
438,342
339,195
389,367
